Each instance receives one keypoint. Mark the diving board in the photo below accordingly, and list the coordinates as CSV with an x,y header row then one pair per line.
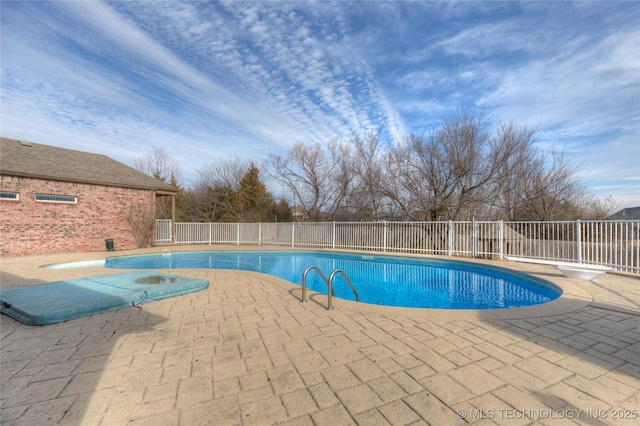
x,y
580,271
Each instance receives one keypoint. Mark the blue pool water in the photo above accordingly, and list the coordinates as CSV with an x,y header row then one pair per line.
x,y
380,280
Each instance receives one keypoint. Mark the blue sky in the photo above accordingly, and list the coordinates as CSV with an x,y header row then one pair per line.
x,y
210,80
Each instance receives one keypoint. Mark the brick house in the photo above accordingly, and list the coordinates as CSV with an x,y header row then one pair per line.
x,y
56,200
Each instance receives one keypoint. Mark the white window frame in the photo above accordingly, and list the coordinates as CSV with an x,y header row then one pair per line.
x,y
15,194
56,198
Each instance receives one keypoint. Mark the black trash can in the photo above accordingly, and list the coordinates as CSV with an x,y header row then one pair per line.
x,y
109,242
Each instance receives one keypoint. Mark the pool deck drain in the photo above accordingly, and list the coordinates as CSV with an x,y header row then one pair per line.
x,y
246,351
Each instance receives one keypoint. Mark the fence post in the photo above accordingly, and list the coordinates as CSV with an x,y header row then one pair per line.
x,y
474,237
501,239
259,233
238,234
579,240
450,238
293,234
333,236
210,232
384,237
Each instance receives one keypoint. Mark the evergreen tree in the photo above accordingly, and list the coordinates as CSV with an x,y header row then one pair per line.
x,y
252,202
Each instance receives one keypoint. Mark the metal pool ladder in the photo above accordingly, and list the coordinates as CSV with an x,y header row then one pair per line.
x,y
328,282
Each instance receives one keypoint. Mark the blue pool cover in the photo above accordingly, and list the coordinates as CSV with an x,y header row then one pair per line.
x,y
65,300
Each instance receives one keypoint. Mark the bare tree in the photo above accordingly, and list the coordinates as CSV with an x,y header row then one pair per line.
x,y
456,171
158,164
448,174
553,191
594,208
365,199
206,204
142,220
223,173
405,183
210,192
459,171
316,177
512,184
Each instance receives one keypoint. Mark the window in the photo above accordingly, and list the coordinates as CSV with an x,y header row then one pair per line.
x,y
4,195
48,198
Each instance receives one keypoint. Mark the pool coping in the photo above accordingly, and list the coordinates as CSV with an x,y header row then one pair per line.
x,y
573,297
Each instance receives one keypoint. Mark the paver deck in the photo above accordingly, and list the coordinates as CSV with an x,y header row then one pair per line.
x,y
246,351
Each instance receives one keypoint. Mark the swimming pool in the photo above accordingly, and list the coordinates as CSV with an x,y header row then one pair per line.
x,y
379,279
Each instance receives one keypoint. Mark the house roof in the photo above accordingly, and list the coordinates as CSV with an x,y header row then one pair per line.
x,y
26,159
629,213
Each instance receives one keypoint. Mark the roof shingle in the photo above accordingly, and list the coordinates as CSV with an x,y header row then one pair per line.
x,y
18,158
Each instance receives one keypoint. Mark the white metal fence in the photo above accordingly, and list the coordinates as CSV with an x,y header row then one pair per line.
x,y
164,230
610,243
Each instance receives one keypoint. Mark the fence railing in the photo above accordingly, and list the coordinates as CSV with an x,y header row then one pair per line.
x,y
610,243
164,231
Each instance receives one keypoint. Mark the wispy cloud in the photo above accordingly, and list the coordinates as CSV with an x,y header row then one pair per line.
x,y
574,77
210,79
586,102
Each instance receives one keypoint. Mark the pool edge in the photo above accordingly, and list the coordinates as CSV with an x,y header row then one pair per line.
x,y
573,297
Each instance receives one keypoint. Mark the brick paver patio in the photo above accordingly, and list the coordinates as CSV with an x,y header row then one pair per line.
x,y
246,351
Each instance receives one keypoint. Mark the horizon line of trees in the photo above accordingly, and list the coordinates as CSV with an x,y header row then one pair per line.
x,y
458,171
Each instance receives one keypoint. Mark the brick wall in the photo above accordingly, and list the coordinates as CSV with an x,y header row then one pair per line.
x,y
34,227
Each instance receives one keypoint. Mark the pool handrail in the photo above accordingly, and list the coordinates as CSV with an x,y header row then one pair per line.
x,y
304,281
344,276
328,282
